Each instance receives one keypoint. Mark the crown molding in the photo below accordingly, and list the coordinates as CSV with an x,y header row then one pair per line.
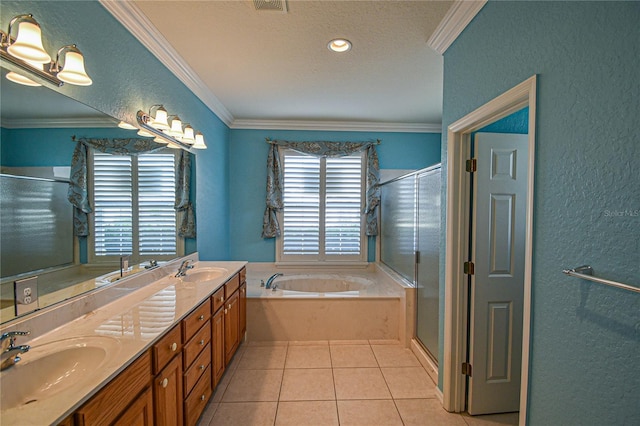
x,y
57,123
136,22
454,22
344,126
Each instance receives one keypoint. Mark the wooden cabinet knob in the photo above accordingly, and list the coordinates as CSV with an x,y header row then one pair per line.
x,y
173,347
165,383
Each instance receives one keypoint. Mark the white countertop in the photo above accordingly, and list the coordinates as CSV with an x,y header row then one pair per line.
x,y
129,325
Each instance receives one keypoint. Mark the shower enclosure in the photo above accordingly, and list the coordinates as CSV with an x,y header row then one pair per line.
x,y
410,243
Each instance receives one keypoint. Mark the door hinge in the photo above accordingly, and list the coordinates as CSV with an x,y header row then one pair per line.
x,y
469,268
472,165
466,369
417,257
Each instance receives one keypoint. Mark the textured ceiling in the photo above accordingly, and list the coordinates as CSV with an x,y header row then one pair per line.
x,y
265,65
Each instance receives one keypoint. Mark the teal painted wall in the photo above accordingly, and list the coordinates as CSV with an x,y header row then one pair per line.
x,y
248,173
127,78
585,336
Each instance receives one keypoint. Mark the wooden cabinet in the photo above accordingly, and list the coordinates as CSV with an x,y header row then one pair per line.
x,y
217,346
171,383
140,413
167,394
231,326
112,401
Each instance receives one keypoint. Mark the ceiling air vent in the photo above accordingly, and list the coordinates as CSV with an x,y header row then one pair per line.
x,y
271,5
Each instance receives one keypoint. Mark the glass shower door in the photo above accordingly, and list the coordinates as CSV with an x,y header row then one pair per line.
x,y
428,241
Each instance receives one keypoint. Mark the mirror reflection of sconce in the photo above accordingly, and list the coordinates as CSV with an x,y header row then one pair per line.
x,y
26,52
168,129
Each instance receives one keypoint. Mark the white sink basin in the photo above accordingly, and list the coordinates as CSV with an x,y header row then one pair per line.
x,y
204,274
53,367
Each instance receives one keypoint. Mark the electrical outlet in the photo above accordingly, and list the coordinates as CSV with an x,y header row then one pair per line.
x,y
26,295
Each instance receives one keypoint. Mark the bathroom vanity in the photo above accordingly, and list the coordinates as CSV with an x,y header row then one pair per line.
x,y
153,356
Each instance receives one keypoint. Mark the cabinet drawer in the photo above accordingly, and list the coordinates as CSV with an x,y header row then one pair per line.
x,y
193,348
110,402
196,319
198,367
195,403
243,275
218,299
166,348
231,286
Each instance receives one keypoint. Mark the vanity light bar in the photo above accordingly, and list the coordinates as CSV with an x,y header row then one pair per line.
x,y
145,120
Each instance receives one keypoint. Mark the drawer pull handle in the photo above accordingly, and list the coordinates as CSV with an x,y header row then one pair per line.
x,y
222,298
225,312
165,383
202,342
173,347
201,317
202,367
202,398
229,307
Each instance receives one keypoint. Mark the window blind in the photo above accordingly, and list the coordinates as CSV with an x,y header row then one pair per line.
x,y
134,205
322,215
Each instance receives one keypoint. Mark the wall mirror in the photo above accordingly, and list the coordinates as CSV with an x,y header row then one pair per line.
x,y
36,234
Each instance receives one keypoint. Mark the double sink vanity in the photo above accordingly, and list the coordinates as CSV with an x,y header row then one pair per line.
x,y
146,350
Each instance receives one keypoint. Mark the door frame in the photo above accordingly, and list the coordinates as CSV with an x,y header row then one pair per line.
x,y
457,231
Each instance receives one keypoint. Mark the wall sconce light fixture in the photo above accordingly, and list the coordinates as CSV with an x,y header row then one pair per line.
x,y
26,52
156,123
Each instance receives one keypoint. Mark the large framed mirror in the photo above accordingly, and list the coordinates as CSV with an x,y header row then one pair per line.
x,y
38,128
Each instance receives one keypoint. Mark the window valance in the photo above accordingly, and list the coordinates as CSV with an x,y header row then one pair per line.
x,y
274,201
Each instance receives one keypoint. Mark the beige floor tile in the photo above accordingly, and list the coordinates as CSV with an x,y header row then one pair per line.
x,y
360,383
368,413
491,419
307,384
222,385
352,356
237,358
426,412
308,357
348,342
209,411
268,343
263,357
308,343
307,413
254,385
245,414
409,382
384,342
394,356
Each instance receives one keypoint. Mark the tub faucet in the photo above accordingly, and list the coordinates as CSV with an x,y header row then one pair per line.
x,y
10,353
184,266
270,280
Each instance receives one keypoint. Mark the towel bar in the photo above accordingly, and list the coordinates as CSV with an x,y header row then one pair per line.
x,y
586,272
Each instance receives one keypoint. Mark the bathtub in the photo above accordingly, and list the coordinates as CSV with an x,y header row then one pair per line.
x,y
308,305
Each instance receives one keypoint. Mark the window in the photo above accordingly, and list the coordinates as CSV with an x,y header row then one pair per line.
x,y
133,204
322,219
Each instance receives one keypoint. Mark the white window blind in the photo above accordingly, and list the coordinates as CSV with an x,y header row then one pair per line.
x,y
133,200
322,215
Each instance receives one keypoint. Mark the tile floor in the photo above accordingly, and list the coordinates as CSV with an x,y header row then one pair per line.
x,y
331,383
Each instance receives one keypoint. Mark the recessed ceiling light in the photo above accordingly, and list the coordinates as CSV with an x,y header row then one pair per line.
x,y
339,45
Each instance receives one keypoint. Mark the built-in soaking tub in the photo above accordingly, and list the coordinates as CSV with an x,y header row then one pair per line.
x,y
352,304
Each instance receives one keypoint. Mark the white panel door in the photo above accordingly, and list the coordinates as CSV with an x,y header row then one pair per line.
x,y
498,247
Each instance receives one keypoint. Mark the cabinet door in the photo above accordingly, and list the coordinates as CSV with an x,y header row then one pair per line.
x,y
231,326
243,310
167,391
140,413
217,346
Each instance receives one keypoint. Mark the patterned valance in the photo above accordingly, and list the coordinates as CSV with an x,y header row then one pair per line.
x,y
274,202
78,190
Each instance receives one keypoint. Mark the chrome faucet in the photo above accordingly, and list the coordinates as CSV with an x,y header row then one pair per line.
x,y
270,280
10,353
184,266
